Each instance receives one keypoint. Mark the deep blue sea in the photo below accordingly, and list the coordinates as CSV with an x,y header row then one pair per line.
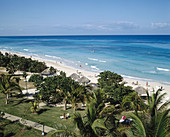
x,y
142,56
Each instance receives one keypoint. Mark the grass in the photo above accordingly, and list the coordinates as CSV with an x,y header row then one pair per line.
x,y
49,116
15,129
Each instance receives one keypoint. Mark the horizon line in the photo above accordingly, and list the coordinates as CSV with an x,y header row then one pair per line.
x,y
86,35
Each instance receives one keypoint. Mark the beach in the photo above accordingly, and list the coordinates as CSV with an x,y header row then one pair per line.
x,y
92,76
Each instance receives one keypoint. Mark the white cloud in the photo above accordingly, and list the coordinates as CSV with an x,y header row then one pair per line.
x,y
87,25
100,26
160,25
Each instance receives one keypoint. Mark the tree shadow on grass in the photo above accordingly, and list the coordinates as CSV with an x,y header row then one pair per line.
x,y
10,135
42,110
21,101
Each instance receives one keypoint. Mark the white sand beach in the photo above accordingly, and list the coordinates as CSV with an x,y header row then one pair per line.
x,y
152,85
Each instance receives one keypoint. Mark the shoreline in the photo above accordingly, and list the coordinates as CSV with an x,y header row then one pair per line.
x,y
92,75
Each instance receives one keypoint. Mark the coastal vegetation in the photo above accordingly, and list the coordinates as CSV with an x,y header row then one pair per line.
x,y
14,63
101,111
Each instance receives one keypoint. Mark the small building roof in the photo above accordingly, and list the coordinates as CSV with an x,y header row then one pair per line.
x,y
75,76
46,72
84,80
141,90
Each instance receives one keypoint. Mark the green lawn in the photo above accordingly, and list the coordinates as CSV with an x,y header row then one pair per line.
x,y
50,116
14,129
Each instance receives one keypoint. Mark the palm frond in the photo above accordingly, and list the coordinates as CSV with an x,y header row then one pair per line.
x,y
107,110
138,125
91,112
77,119
163,106
98,123
162,123
148,97
160,98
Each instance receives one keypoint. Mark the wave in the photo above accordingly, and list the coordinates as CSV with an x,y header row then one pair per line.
x,y
102,61
97,60
145,79
26,49
136,78
163,69
54,57
152,72
93,59
35,55
86,64
94,67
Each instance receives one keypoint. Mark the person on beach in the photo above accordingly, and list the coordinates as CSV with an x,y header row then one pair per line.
x,y
64,116
136,82
147,84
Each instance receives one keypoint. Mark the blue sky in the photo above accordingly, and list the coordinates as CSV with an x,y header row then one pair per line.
x,y
73,17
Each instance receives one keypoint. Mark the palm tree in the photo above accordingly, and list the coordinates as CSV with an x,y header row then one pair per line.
x,y
7,85
78,94
146,127
102,124
99,120
85,124
155,102
25,76
133,102
65,86
11,68
155,121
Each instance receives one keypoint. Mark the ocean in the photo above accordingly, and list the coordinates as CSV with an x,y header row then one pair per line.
x,y
139,56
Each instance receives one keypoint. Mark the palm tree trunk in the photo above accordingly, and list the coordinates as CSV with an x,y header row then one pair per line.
x,y
65,104
26,85
6,102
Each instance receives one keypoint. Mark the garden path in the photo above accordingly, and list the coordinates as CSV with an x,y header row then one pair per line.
x,y
28,123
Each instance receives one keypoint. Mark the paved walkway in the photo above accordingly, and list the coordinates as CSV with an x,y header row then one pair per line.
x,y
28,123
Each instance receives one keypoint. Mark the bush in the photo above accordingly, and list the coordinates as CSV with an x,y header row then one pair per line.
x,y
14,63
37,79
108,78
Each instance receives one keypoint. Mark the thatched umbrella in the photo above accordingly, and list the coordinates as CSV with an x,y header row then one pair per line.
x,y
141,91
46,72
84,80
75,77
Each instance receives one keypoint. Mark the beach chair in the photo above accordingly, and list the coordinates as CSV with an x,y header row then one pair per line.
x,y
122,119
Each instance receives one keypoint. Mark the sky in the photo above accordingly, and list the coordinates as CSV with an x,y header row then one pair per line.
x,y
84,17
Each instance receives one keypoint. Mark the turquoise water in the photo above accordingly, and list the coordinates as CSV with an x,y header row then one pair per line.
x,y
145,57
